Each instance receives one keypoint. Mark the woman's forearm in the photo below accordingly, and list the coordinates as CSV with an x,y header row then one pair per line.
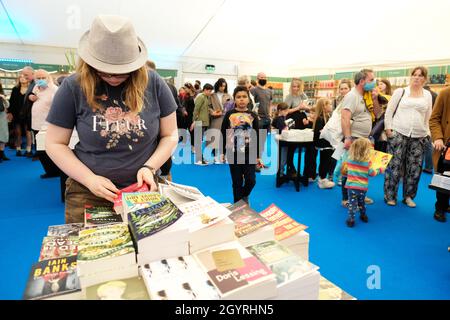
x,y
163,152
66,160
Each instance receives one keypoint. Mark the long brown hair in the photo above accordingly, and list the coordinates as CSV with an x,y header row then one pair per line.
x,y
320,110
388,86
135,86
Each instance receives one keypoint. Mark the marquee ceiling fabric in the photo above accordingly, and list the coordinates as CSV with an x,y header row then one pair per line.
x,y
293,35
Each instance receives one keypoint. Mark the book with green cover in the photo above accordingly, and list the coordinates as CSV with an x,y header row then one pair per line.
x,y
58,247
95,216
140,200
104,242
148,221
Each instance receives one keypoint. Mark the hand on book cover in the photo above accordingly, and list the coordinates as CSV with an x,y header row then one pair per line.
x,y
146,175
102,187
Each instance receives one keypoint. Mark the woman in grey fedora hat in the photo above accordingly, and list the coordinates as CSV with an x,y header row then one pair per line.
x,y
123,113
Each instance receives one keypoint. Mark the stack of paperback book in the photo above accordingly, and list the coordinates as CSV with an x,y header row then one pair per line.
x,y
105,253
236,273
179,278
288,232
250,227
297,279
208,223
134,201
178,193
156,232
98,216
132,188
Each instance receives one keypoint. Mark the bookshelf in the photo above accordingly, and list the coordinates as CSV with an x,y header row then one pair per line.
x,y
8,80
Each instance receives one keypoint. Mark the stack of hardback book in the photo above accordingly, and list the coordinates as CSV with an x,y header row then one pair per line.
x,y
297,279
179,278
105,253
288,232
236,273
250,227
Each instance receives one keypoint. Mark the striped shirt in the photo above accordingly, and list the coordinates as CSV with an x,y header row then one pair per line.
x,y
358,174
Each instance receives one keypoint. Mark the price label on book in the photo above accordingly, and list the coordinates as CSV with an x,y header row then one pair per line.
x,y
227,260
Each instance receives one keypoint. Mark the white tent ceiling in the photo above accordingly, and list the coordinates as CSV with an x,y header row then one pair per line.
x,y
293,35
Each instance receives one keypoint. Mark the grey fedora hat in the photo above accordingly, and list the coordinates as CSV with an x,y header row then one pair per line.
x,y
112,46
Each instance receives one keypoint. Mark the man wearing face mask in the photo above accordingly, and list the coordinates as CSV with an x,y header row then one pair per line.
x,y
357,116
43,91
263,97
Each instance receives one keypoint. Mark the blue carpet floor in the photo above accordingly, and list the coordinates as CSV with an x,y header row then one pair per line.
x,y
406,247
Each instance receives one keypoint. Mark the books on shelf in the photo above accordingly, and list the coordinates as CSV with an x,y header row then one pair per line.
x,y
132,188
236,273
120,289
330,291
96,216
132,202
288,231
104,252
296,277
179,278
250,227
54,279
58,247
65,230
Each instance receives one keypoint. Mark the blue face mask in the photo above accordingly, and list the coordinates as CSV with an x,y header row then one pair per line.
x,y
42,83
369,86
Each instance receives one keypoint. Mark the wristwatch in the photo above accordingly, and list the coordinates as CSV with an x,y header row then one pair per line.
x,y
348,138
153,170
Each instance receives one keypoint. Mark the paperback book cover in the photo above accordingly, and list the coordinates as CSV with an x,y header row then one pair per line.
x,y
178,278
58,247
121,289
186,191
51,278
95,216
246,219
284,225
379,160
148,221
104,242
203,213
252,270
283,262
65,230
140,200
132,188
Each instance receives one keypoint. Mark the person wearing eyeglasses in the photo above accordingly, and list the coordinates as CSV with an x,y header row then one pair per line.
x,y
407,128
119,108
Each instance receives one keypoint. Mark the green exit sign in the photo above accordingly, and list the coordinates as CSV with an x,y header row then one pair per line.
x,y
210,68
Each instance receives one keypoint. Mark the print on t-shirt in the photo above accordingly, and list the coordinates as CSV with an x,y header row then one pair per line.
x,y
241,130
113,123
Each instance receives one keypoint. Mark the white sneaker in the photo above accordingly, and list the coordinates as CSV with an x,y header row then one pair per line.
x,y
325,184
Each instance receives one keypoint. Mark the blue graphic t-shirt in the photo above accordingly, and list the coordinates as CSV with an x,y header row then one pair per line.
x,y
114,143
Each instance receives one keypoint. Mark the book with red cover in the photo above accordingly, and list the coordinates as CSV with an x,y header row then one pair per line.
x,y
132,188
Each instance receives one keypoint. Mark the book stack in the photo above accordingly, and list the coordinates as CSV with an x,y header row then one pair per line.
x,y
297,279
236,273
118,208
134,201
330,291
54,279
176,197
250,227
288,232
97,216
120,289
179,278
156,233
105,253
208,223
58,247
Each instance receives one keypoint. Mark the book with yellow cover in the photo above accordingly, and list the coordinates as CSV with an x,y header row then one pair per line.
x,y
379,160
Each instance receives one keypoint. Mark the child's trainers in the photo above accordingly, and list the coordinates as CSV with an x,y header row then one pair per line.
x,y
350,222
364,217
325,184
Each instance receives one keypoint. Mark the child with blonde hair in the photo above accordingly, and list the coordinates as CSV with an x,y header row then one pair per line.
x,y
357,168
